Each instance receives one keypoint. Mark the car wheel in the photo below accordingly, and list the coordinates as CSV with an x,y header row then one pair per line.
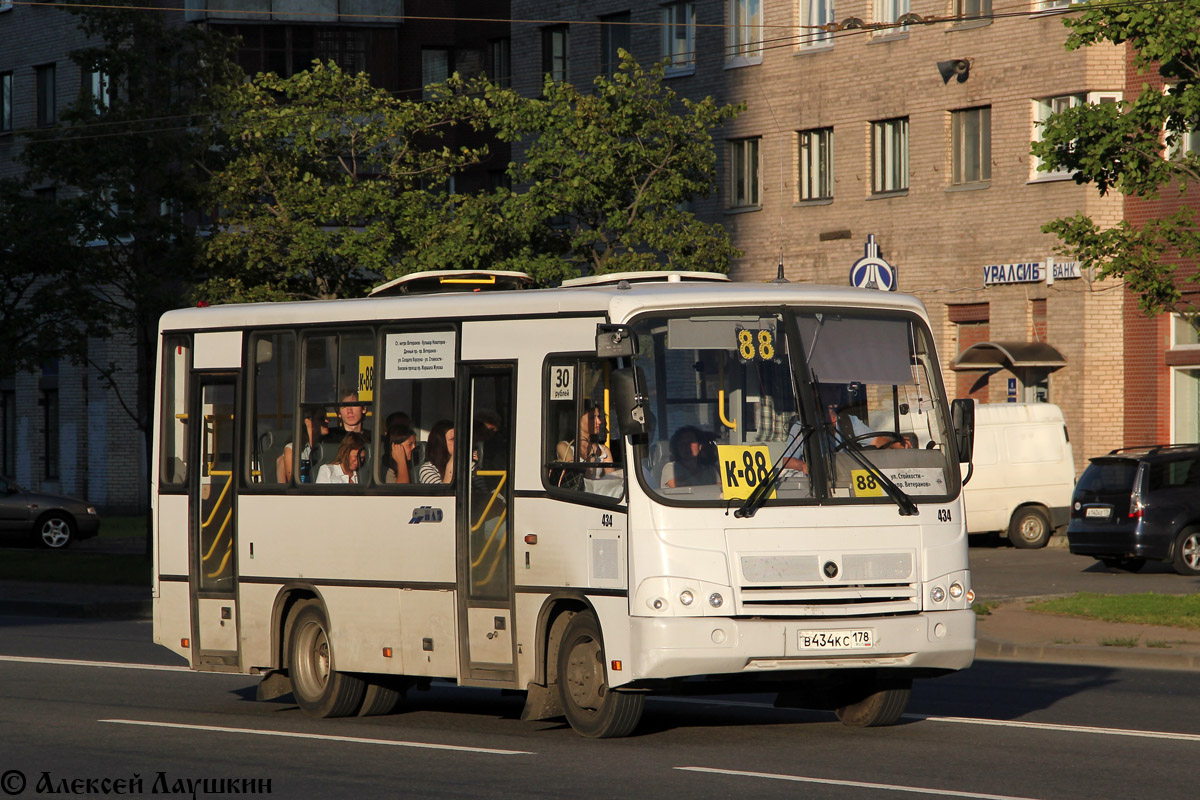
x,y
1187,553
1029,528
55,531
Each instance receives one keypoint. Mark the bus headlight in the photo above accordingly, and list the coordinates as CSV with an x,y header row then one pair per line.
x,y
937,594
956,590
715,600
686,598
658,604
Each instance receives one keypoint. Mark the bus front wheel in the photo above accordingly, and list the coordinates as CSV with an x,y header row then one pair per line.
x,y
592,708
882,702
320,690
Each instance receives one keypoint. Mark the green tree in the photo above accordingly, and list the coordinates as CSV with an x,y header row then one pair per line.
x,y
1137,148
332,184
128,157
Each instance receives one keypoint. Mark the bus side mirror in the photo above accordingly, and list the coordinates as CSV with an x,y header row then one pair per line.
x,y
962,412
628,402
615,341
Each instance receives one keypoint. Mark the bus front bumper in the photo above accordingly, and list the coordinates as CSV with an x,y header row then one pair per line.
x,y
685,646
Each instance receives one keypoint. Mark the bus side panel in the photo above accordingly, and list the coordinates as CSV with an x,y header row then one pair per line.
x,y
616,631
172,604
428,633
173,618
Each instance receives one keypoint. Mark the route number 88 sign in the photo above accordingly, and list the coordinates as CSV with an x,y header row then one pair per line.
x,y
756,344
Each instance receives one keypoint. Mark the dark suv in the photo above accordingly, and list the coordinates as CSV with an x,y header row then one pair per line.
x,y
1140,503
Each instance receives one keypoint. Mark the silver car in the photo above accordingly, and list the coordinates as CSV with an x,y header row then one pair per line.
x,y
53,521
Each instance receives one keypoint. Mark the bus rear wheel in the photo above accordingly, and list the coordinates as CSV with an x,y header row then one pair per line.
x,y
319,689
592,708
882,702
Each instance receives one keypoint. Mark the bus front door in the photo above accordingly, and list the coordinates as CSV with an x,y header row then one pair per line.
x,y
213,528
484,454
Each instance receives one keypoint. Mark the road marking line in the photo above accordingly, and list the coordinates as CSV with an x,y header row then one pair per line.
x,y
70,662
855,784
321,737
1050,726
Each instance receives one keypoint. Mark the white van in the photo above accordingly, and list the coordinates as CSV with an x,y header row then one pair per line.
x,y
1024,472
1023,468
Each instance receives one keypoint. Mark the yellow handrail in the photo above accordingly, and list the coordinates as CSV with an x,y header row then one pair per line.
x,y
491,537
224,561
728,423
490,473
220,497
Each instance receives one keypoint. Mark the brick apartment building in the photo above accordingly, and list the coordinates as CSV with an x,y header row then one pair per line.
x,y
857,133
63,430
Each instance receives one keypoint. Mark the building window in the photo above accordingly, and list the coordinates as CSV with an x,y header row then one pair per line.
x,y
679,36
47,99
816,164
50,421
972,323
6,5
8,432
1050,5
98,87
888,11
614,37
813,14
6,104
1186,142
971,145
500,62
1042,111
435,68
889,155
974,9
555,53
743,38
743,173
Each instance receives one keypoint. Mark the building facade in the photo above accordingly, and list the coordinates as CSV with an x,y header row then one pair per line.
x,y
903,127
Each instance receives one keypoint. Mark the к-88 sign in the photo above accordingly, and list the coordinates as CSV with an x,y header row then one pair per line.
x,y
743,467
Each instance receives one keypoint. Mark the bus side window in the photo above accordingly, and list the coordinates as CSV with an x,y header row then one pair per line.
x,y
582,452
272,415
416,394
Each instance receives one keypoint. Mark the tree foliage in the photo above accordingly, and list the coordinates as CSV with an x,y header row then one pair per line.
x,y
332,184
1136,147
127,161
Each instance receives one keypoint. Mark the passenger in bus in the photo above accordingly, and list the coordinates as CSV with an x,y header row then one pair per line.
x,y
401,443
316,428
593,432
350,455
694,459
350,414
438,466
844,408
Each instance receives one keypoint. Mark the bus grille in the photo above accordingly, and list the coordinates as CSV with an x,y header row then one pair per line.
x,y
863,584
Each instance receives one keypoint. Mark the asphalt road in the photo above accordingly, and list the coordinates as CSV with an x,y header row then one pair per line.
x,y
1001,730
1002,572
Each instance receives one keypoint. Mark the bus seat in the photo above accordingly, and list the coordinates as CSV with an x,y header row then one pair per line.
x,y
660,454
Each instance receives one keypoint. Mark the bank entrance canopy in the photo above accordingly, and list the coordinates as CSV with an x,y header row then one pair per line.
x,y
1009,355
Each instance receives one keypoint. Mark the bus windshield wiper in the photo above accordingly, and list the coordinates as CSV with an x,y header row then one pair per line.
x,y
759,495
907,507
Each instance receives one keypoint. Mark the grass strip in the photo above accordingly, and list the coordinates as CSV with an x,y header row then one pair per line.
x,y
1175,611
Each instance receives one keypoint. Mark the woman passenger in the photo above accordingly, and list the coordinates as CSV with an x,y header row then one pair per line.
x,y
439,454
401,441
344,468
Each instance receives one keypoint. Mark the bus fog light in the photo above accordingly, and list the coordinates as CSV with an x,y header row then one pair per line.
x,y
658,604
686,598
715,600
937,594
939,631
956,591
718,636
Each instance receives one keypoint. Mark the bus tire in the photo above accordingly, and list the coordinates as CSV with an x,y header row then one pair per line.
x,y
319,689
380,699
590,706
1029,528
885,701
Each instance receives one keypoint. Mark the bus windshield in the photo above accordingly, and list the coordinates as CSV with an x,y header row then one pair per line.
x,y
837,403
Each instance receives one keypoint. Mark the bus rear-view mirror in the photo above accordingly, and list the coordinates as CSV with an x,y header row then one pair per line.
x,y
628,403
962,412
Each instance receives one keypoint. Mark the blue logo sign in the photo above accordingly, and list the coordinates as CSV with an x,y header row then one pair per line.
x,y
871,271
425,514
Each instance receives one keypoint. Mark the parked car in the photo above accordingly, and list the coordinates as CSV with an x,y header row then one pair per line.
x,y
53,521
1137,504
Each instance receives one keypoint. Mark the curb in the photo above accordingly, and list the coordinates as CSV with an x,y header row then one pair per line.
x,y
1115,657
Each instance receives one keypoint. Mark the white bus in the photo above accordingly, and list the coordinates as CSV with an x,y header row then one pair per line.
x,y
650,482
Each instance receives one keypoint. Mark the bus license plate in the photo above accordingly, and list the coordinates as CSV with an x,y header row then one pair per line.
x,y
1098,513
837,640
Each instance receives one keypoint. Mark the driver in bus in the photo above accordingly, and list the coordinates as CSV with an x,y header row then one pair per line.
x,y
844,407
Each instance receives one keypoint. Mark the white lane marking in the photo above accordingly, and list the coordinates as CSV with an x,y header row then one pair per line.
x,y
855,784
321,737
999,723
71,662
1050,726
